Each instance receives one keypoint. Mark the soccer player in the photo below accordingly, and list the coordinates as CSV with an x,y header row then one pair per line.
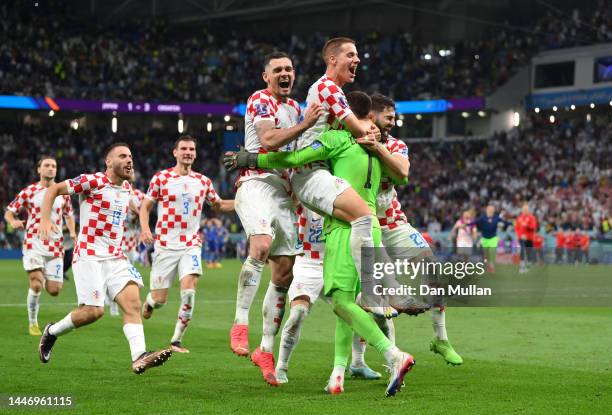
x,y
100,265
487,224
266,210
526,227
42,260
305,289
400,239
341,280
180,194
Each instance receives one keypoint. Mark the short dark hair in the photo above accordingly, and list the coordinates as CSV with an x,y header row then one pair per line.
x,y
360,103
113,146
44,157
332,46
274,55
184,138
380,102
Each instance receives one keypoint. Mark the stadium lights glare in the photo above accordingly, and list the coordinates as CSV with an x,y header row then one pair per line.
x,y
427,56
481,113
611,103
555,108
74,124
229,127
209,126
516,119
180,126
552,119
419,117
399,123
226,118
592,105
51,113
366,55
572,107
476,57
114,125
465,114
588,117
444,52
537,110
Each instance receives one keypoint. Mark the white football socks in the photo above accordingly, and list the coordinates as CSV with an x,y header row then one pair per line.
x,y
63,326
358,352
184,314
134,333
248,283
438,320
273,311
33,306
291,334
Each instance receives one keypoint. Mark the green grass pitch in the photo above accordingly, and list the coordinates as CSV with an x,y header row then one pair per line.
x,y
517,360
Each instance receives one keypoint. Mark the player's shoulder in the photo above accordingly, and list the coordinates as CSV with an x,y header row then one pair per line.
x,y
294,104
163,174
205,180
262,95
395,144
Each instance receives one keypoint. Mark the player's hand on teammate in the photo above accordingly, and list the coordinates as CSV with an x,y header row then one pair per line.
x,y
312,114
146,237
45,228
73,236
238,160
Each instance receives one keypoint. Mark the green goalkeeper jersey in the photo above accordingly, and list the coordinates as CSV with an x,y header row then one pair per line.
x,y
348,160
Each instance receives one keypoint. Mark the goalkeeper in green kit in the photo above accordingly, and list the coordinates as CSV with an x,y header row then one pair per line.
x,y
349,161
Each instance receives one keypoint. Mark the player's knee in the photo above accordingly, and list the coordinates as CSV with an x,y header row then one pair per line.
x,y
260,246
53,292
93,313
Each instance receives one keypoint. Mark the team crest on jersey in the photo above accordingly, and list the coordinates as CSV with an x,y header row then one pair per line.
x,y
343,102
261,109
79,179
404,151
316,144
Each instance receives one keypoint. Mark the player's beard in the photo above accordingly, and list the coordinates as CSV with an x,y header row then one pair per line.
x,y
120,172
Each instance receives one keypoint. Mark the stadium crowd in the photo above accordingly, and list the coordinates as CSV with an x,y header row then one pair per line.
x,y
564,170
50,52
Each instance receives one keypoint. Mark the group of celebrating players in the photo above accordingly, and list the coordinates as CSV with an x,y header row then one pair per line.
x,y
315,196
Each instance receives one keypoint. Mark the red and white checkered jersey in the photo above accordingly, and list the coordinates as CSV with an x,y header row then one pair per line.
x,y
31,199
388,207
132,224
180,200
310,230
335,106
103,211
263,106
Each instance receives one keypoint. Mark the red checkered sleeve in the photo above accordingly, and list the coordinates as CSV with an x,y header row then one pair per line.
x,y
333,99
21,201
85,183
211,194
67,208
154,187
260,108
396,146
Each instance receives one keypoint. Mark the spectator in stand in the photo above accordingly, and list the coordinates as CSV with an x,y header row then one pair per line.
x,y
560,246
538,248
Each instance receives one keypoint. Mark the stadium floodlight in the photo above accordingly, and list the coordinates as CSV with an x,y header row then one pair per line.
x,y
516,119
229,128
555,108
552,119
572,107
465,114
74,124
51,113
592,105
209,126
366,55
537,110
427,57
588,117
419,117
226,118
180,125
482,113
611,103
476,57
399,123
114,125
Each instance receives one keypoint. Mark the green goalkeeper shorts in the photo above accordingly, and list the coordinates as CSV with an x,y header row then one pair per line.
x,y
339,272
489,242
